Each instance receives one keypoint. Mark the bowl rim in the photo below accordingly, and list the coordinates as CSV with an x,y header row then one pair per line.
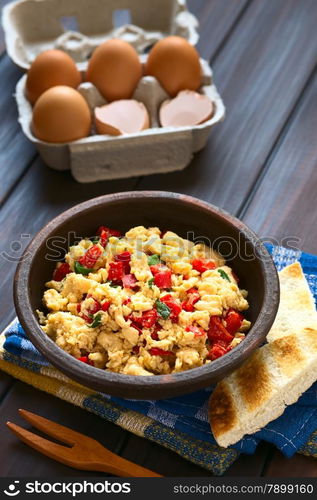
x,y
98,379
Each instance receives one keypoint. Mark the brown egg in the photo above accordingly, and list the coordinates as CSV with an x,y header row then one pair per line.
x,y
115,69
186,110
61,115
50,68
125,116
175,64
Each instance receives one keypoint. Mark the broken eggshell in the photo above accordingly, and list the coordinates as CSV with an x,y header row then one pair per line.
x,y
125,116
186,110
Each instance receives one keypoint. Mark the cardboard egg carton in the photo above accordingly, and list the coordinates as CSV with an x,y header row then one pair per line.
x,y
32,26
79,26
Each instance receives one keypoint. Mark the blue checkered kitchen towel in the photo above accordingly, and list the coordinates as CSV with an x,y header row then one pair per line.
x,y
181,423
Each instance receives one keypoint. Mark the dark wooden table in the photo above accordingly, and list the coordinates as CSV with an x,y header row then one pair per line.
x,y
260,164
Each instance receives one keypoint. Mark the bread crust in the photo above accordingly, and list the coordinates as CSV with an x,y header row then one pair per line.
x,y
276,374
297,309
222,410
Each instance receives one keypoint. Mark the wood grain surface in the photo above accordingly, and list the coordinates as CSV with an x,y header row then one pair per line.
x,y
292,170
253,71
260,164
16,152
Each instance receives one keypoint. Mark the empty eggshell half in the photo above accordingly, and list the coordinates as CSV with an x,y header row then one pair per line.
x,y
186,110
125,116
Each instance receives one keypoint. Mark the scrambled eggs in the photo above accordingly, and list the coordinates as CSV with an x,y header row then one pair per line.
x,y
144,303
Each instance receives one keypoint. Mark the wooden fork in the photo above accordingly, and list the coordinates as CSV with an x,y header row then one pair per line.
x,y
82,453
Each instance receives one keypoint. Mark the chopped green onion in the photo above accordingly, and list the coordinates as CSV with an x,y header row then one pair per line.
x,y
153,260
151,282
79,269
163,310
114,285
224,275
96,322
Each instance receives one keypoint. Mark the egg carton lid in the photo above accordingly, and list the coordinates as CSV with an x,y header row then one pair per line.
x,y
79,26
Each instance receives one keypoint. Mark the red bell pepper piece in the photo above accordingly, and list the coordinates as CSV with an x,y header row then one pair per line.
x,y
216,352
156,351
163,279
149,318
197,330
116,271
105,233
135,319
217,331
202,265
137,327
125,258
233,321
105,305
173,306
129,281
91,256
85,359
111,232
136,322
154,335
61,271
93,309
88,319
157,268
193,297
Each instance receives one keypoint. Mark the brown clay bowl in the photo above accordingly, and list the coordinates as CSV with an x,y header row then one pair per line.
x,y
182,214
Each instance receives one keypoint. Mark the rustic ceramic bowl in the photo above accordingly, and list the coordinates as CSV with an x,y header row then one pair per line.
x,y
187,217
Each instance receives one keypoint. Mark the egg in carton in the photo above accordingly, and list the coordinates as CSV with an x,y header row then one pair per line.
x,y
154,150
100,157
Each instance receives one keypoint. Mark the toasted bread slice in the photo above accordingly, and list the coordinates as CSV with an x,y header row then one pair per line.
x,y
277,373
297,310
259,391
